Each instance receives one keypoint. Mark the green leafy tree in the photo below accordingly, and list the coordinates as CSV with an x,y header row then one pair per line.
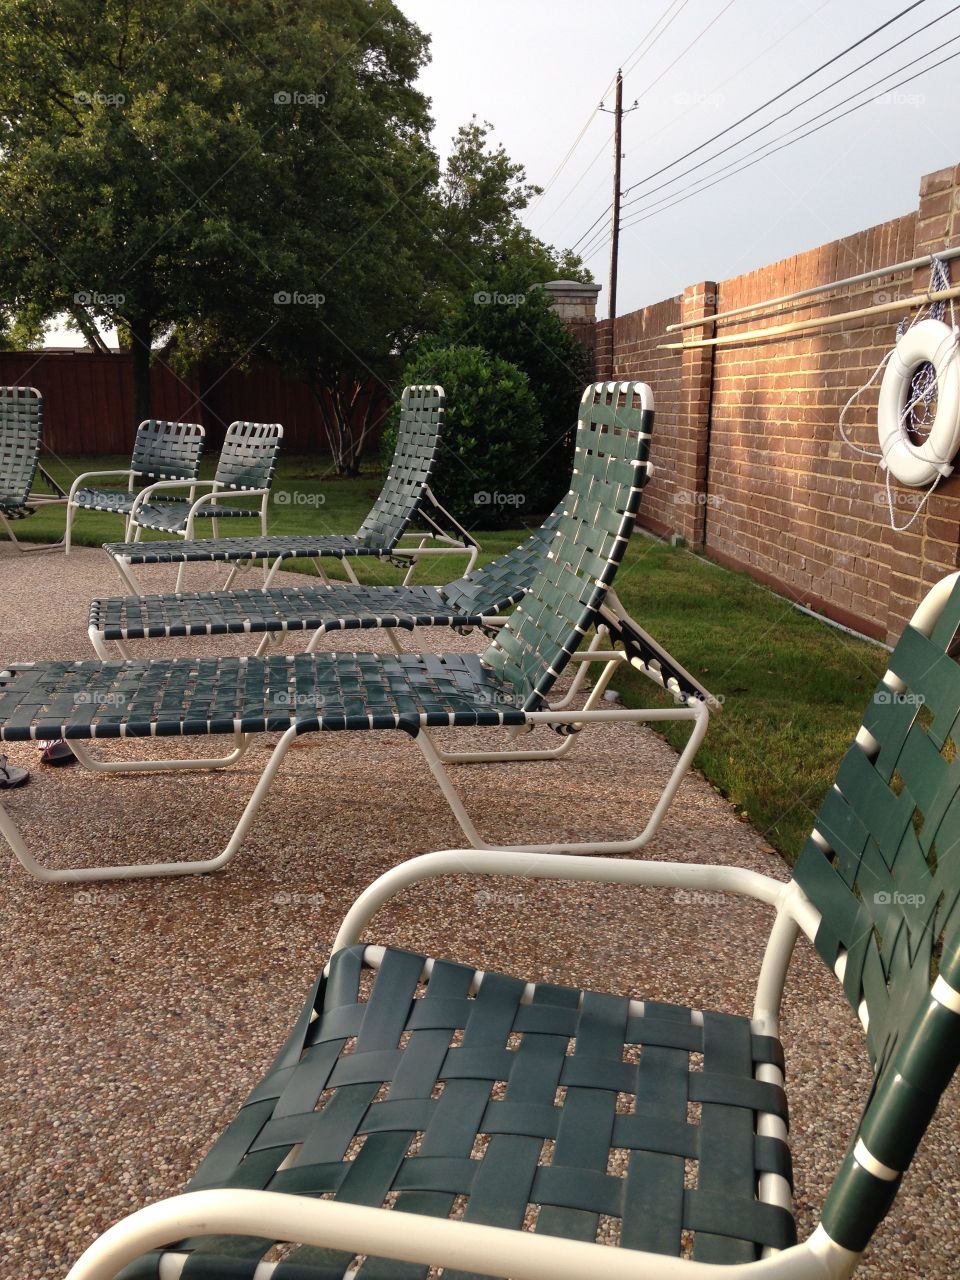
x,y
478,233
22,331
168,167
491,435
524,329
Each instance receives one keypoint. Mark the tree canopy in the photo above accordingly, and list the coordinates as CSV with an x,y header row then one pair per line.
x,y
254,178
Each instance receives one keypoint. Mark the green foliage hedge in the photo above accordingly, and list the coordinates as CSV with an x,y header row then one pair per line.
x,y
489,467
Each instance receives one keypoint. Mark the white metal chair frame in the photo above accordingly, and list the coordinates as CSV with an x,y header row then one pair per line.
x,y
130,474
218,490
694,710
498,1251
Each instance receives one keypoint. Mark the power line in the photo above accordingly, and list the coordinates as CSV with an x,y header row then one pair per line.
x,y
796,106
566,159
697,38
776,98
744,66
615,204
638,52
645,215
720,84
641,53
590,228
827,111
591,248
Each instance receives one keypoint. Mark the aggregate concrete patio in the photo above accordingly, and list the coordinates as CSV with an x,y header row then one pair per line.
x,y
137,1015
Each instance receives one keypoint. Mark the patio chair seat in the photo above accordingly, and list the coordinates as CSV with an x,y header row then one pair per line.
x,y
332,608
272,547
486,592
171,517
571,1104
114,500
308,691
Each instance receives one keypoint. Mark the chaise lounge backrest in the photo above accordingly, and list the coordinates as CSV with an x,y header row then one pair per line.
x,y
609,471
505,579
21,429
165,450
421,421
882,866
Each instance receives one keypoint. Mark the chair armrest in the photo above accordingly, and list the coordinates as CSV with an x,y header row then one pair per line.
x,y
211,499
546,866
98,475
392,1233
159,485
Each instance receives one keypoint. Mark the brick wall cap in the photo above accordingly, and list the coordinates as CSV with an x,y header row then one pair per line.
x,y
569,286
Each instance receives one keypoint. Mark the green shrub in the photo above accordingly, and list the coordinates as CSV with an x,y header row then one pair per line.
x,y
488,471
523,328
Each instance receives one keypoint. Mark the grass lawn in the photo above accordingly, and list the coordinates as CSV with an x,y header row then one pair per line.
x,y
793,688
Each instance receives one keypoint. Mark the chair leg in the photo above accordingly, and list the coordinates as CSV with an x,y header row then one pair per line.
x,y
697,713
26,548
138,871
68,528
170,765
98,640
127,576
545,753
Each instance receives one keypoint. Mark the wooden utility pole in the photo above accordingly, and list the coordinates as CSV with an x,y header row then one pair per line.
x,y
615,239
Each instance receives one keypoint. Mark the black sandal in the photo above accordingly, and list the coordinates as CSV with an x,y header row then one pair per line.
x,y
56,752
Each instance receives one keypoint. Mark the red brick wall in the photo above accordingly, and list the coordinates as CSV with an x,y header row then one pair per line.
x,y
635,339
748,457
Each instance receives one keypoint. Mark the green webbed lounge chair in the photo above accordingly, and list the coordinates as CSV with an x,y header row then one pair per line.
x,y
406,494
21,438
473,1104
246,466
162,450
478,599
481,598
505,687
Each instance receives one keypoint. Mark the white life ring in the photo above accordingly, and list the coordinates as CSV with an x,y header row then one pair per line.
x,y
920,464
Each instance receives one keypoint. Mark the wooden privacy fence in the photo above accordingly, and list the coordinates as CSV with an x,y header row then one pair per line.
x,y
88,400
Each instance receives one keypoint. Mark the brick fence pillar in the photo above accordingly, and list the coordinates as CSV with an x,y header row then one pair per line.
x,y
576,305
693,414
935,539
603,350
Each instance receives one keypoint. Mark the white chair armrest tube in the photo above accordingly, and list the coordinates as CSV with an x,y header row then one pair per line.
x,y
210,499
512,1255
547,866
145,494
97,475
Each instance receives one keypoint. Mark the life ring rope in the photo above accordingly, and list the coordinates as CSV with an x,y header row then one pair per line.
x,y
922,341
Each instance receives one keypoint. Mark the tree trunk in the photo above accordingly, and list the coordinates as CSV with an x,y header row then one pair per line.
x,y
329,419
140,338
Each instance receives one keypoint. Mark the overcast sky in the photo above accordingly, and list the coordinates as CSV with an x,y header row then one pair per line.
x,y
537,68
